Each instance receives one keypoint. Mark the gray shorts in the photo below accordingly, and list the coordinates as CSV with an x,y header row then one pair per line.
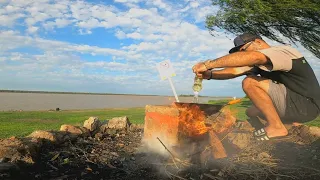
x,y
291,106
278,93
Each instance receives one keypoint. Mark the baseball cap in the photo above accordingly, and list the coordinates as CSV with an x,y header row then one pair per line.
x,y
242,40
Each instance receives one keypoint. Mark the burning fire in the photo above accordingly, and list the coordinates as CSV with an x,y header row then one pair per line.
x,y
192,120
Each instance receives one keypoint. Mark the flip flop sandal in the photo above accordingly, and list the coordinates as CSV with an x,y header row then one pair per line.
x,y
261,135
267,138
260,132
262,138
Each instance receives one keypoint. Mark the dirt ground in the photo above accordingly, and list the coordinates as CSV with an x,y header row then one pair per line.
x,y
120,155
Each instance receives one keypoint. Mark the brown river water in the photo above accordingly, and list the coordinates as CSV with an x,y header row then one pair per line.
x,y
46,101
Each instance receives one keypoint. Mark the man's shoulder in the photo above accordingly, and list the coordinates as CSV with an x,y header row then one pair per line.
x,y
286,49
281,58
283,46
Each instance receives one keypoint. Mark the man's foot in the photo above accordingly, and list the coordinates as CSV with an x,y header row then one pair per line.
x,y
276,132
268,133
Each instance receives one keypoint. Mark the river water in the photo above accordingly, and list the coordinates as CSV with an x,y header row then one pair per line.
x,y
46,101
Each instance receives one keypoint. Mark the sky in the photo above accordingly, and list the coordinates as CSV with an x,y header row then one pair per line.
x,y
111,46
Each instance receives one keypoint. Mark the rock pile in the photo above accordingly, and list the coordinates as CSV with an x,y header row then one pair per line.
x,y
17,150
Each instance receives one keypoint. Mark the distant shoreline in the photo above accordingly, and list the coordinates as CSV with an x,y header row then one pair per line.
x,y
88,93
59,92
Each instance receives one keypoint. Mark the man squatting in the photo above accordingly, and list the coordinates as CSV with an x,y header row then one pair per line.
x,y
279,81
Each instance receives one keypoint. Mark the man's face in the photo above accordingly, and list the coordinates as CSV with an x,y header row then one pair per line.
x,y
247,46
254,45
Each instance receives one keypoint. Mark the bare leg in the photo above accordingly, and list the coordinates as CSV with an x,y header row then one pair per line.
x,y
256,119
253,113
256,89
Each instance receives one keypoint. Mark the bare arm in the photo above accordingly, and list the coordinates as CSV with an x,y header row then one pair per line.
x,y
230,73
238,59
226,73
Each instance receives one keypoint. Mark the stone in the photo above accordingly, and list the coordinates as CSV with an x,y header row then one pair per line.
x,y
315,131
217,149
303,131
98,136
104,126
306,133
92,124
264,155
119,123
134,127
48,135
71,129
222,121
19,149
239,139
111,132
55,137
76,130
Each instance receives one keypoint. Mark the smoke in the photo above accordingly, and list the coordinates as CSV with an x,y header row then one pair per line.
x,y
180,141
158,157
153,145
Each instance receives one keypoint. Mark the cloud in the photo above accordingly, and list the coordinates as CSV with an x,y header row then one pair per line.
x,y
160,4
136,34
89,24
32,29
62,22
9,20
120,34
128,1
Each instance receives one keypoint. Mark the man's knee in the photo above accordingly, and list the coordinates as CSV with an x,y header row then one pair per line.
x,y
251,82
248,83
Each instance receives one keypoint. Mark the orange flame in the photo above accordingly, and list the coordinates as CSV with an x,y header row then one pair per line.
x,y
192,120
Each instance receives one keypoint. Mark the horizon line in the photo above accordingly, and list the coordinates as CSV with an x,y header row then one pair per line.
x,y
91,93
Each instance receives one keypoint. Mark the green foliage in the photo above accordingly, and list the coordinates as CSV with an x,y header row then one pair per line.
x,y
298,20
25,122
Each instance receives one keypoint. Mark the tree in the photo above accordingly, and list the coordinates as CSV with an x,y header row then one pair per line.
x,y
297,20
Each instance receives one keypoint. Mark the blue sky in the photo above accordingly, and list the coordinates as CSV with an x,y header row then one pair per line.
x,y
110,46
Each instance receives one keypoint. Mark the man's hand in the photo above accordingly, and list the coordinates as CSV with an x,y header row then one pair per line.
x,y
199,69
205,75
